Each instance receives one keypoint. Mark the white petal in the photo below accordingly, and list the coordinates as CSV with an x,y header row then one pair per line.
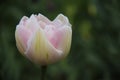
x,y
65,42
23,20
32,23
40,50
44,19
61,20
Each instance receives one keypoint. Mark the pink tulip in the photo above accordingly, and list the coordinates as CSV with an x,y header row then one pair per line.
x,y
44,41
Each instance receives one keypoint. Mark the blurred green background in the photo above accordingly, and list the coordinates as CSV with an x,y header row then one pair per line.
x,y
95,51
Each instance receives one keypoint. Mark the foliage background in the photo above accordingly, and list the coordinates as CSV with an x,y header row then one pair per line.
x,y
94,55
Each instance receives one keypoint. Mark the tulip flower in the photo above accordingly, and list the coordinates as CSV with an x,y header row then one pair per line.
x,y
43,41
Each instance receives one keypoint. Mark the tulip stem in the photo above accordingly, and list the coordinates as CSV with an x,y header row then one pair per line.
x,y
43,72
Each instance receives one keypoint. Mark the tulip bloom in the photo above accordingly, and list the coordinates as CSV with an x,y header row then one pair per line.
x,y
44,41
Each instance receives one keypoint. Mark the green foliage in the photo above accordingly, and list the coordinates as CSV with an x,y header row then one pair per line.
x,y
94,55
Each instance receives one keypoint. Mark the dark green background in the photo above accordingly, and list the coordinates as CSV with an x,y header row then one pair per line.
x,y
95,51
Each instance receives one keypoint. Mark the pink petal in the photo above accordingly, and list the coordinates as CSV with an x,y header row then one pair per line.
x,y
60,38
40,50
22,35
61,20
65,41
32,23
23,20
42,18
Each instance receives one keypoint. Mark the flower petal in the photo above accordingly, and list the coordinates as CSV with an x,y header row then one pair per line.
x,y
40,50
61,20
61,39
23,20
32,23
22,35
42,18
65,40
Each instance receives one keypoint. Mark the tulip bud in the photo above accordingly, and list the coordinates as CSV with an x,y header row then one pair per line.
x,y
44,41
